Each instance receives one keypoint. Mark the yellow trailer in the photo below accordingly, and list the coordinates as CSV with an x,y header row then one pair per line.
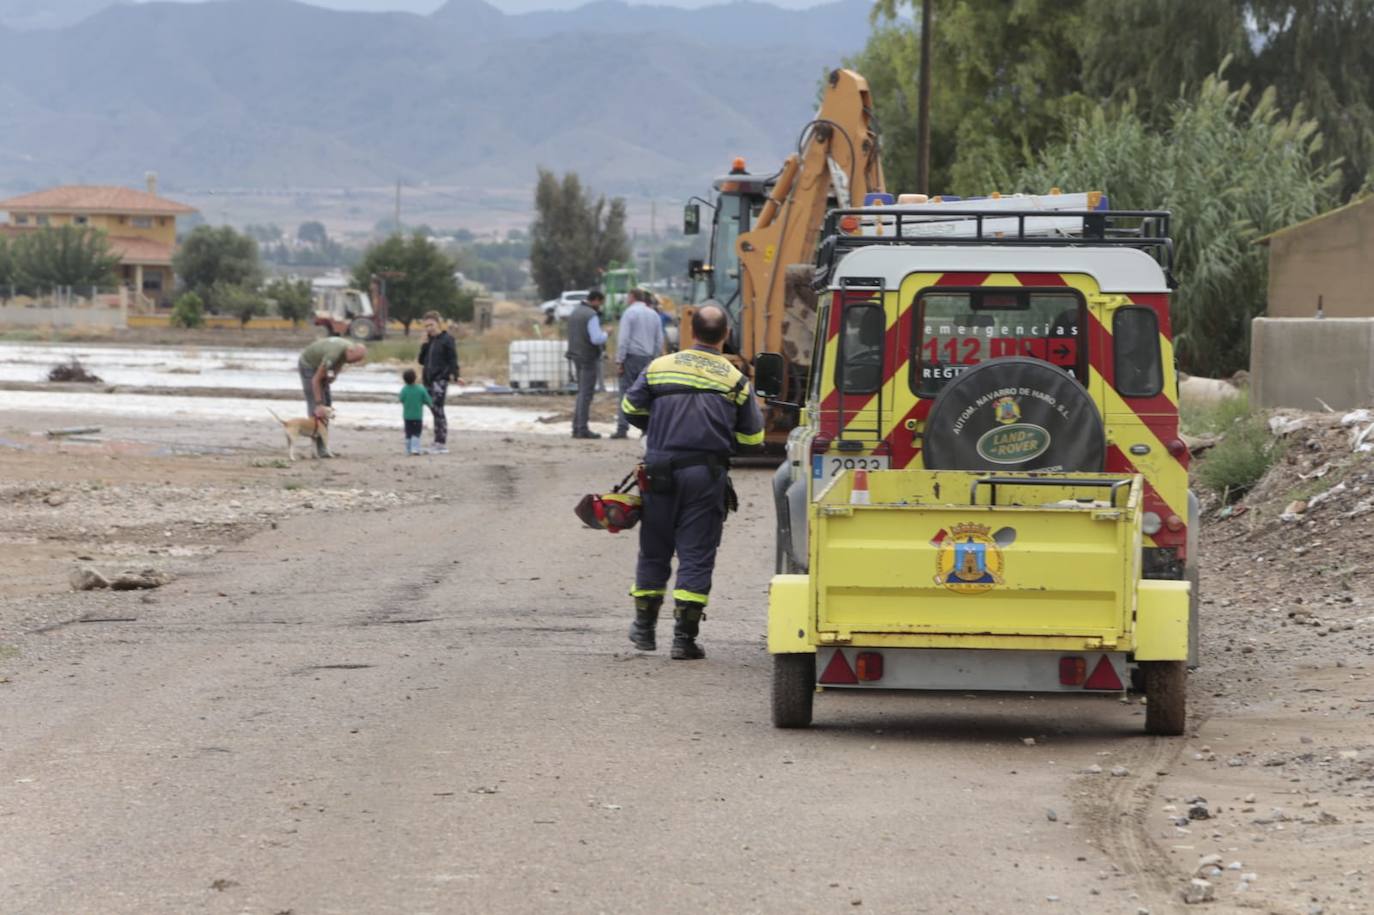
x,y
957,580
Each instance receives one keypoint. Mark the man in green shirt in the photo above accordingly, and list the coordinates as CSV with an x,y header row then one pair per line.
x,y
319,364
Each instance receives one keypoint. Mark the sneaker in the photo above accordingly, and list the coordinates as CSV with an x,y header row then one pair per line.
x,y
590,435
439,449
620,434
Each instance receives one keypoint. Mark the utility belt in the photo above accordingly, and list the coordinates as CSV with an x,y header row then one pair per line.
x,y
656,477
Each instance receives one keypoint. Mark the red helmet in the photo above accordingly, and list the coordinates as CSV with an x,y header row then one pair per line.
x,y
614,511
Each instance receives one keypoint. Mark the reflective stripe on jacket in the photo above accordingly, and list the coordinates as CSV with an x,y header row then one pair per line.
x,y
694,401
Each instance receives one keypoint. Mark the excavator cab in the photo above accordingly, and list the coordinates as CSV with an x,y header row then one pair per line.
x,y
740,197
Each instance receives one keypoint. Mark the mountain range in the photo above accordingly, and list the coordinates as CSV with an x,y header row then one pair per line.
x,y
275,93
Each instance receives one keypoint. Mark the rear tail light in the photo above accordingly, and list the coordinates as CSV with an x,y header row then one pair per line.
x,y
1177,448
1174,523
869,665
1072,671
1150,523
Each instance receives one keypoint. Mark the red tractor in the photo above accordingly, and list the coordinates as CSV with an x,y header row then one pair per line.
x,y
347,312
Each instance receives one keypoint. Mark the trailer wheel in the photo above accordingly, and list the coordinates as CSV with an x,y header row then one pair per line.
x,y
794,688
362,329
1166,697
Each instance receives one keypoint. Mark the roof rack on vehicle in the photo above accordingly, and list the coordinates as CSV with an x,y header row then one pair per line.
x,y
1046,220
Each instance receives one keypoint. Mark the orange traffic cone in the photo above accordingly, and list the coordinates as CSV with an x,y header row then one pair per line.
x,y
858,494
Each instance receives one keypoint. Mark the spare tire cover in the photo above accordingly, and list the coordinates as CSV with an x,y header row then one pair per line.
x,y
1014,413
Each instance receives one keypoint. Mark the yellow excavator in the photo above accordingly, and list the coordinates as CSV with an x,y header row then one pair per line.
x,y
764,232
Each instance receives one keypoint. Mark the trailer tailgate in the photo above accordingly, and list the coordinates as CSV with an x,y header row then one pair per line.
x,y
977,560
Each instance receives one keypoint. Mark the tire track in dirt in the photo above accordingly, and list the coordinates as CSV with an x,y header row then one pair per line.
x,y
1117,811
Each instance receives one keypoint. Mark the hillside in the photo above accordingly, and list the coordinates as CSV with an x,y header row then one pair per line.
x,y
272,93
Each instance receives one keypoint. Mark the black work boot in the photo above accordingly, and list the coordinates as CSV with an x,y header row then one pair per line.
x,y
646,620
687,617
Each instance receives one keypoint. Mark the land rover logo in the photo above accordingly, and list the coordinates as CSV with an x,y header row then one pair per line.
x,y
1013,444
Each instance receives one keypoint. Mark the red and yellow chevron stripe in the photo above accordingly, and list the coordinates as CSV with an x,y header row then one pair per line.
x,y
1142,433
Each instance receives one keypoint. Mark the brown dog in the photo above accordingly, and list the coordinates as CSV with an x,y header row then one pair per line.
x,y
307,429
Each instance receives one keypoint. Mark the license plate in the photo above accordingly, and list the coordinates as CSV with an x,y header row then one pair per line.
x,y
825,467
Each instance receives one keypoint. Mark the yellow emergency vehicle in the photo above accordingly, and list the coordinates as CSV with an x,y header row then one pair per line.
x,y
988,490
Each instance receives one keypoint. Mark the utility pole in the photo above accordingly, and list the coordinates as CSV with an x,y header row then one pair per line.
x,y
398,205
923,105
653,239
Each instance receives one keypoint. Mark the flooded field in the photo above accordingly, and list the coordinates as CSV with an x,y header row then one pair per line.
x,y
223,383
184,367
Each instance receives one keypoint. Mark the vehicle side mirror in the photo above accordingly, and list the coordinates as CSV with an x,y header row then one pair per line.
x,y
696,267
769,371
691,219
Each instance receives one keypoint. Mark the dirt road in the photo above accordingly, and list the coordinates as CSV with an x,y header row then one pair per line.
x,y
383,684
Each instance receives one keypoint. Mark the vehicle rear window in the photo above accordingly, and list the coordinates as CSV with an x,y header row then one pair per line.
x,y
859,367
955,329
1135,344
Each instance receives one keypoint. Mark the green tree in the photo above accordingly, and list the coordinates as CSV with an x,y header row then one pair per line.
x,y
63,256
1229,171
7,277
242,302
573,237
1314,53
292,298
188,311
217,256
1005,76
312,233
1009,75
417,277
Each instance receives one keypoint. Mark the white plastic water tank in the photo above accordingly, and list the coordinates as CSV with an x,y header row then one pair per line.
x,y
539,365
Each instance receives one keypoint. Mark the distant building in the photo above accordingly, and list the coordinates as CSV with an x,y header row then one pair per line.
x,y
142,227
1328,257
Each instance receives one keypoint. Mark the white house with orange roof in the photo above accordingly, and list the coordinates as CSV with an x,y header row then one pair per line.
x,y
142,227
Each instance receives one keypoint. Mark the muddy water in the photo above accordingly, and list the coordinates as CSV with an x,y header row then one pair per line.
x,y
255,369
184,367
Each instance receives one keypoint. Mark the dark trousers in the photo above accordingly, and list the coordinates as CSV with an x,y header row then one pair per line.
x,y
634,367
414,427
688,521
438,390
586,387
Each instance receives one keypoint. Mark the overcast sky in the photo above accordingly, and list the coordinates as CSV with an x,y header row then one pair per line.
x,y
520,6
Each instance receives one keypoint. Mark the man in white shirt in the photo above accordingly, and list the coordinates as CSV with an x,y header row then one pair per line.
x,y
639,342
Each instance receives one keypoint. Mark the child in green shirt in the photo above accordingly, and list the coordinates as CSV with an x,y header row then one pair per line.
x,y
414,398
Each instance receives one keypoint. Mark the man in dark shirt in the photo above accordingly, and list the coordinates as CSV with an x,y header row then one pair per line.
x,y
439,366
698,409
586,337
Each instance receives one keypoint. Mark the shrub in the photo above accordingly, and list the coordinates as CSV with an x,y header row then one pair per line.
x,y
189,311
1241,459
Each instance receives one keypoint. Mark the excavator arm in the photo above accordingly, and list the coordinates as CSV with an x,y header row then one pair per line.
x,y
837,157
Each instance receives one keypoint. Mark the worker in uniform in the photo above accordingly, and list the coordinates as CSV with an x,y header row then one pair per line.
x,y
698,409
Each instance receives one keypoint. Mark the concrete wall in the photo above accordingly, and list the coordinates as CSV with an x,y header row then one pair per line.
x,y
69,316
1307,363
1331,256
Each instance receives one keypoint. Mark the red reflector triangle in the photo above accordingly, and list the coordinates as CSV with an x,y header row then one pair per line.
x,y
838,670
1103,676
